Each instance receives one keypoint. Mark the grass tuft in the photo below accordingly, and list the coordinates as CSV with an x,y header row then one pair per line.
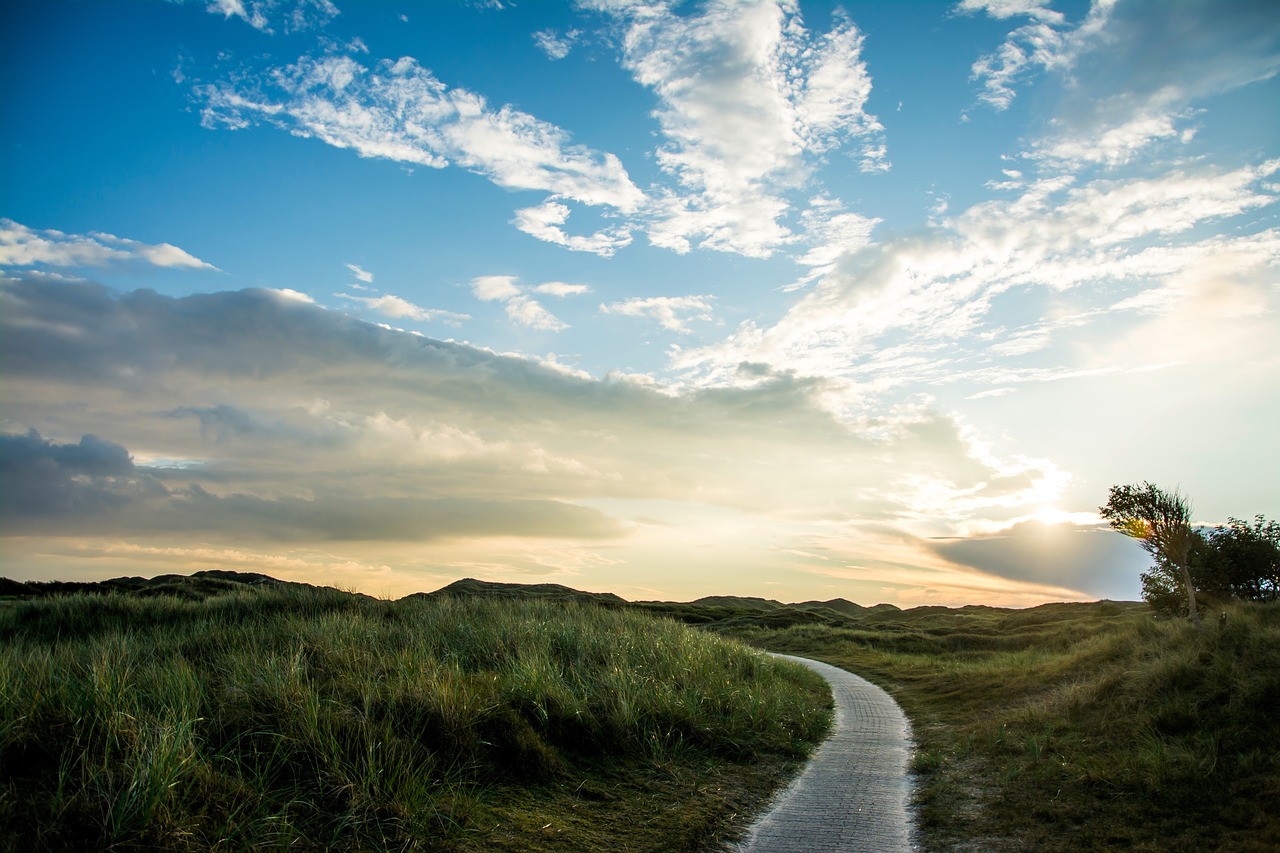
x,y
302,718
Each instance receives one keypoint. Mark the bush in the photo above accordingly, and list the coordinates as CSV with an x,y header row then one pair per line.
x,y
1239,560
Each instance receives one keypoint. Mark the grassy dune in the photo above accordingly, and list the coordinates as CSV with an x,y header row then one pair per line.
x,y
1077,727
207,713
304,719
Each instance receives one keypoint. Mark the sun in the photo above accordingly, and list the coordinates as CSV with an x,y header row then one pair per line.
x,y
1050,515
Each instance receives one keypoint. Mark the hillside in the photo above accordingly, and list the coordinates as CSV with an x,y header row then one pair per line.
x,y
1059,727
472,588
1072,727
232,711
713,611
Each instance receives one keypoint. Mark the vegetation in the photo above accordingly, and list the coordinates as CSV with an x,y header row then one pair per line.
x,y
233,712
1161,521
218,714
1075,726
1232,562
1238,560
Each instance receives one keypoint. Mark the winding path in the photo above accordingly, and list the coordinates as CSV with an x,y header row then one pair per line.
x,y
854,794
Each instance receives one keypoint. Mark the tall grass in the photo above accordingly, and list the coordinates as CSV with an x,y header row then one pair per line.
x,y
281,718
1096,729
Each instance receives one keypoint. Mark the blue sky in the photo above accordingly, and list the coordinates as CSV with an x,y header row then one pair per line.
x,y
793,299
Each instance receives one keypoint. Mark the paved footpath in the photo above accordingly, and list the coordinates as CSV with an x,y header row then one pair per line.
x,y
854,794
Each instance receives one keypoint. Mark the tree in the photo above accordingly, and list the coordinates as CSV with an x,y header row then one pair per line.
x,y
1161,522
1239,560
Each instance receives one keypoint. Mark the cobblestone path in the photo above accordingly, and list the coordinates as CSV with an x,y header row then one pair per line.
x,y
854,794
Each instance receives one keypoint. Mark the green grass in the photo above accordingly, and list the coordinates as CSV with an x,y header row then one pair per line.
x,y
219,713
1077,727
308,719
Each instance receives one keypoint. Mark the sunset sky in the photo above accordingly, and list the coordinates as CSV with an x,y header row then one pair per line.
x,y
756,297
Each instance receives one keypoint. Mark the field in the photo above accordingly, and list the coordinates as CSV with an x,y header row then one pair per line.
x,y
232,712
216,714
1073,726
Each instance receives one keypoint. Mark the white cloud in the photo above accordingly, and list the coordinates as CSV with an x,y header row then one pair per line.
x,y
264,15
399,111
1221,308
295,295
1046,43
495,287
831,233
555,45
529,313
1114,146
750,104
236,8
327,405
21,246
560,288
916,311
833,95
397,308
544,221
361,274
521,309
671,312
1010,8
1036,45
1129,72
747,98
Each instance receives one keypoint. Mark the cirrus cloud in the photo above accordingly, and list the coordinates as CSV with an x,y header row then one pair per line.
x,y
400,111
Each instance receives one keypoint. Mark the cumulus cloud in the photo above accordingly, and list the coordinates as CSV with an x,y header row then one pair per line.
x,y
529,313
747,96
521,308
43,477
21,246
222,422
401,309
561,289
303,425
289,293
751,104
544,221
671,312
93,486
284,399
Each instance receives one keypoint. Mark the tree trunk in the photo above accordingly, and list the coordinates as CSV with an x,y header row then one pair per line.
x,y
1191,597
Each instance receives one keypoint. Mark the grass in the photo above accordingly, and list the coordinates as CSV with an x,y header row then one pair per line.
x,y
1076,727
307,719
214,713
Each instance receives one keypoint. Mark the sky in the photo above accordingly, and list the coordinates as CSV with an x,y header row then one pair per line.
x,y
792,299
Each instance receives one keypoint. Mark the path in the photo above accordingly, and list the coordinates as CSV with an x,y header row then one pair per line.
x,y
853,795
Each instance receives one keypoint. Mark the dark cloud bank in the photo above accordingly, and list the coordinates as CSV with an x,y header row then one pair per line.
x,y
94,487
